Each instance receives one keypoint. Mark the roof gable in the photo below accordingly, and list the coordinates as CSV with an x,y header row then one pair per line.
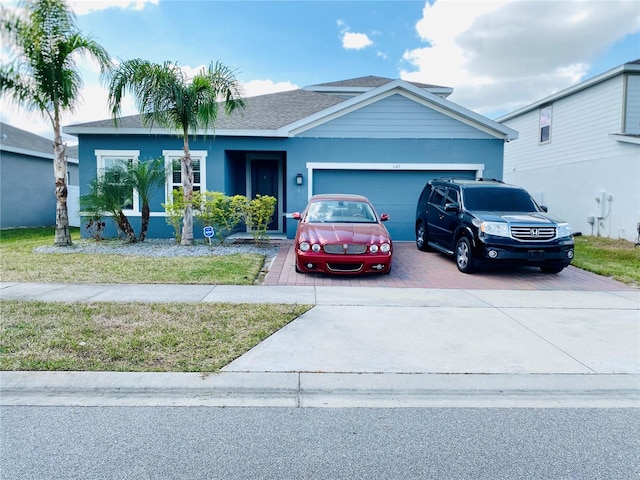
x,y
411,92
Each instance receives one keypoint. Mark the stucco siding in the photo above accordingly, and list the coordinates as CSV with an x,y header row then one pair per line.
x,y
570,191
395,116
226,162
28,196
632,108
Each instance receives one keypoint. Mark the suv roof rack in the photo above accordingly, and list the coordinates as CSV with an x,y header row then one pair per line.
x,y
455,179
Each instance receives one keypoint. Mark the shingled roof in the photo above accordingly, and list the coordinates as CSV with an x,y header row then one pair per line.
x,y
17,140
272,111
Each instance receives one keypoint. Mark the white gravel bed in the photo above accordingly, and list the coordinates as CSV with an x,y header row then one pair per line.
x,y
158,248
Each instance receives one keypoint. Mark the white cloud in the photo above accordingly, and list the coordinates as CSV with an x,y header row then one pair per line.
x,y
82,7
499,55
254,88
355,41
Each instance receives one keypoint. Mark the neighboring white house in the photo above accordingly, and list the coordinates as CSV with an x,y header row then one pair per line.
x,y
579,153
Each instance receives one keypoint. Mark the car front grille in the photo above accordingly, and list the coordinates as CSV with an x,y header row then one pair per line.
x,y
533,234
344,267
345,248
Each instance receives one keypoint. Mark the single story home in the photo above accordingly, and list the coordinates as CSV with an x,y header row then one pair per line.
x,y
374,136
27,183
579,153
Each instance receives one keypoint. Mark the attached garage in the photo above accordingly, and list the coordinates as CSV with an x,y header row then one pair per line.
x,y
392,188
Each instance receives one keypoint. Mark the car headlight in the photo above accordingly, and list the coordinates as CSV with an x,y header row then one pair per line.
x,y
304,246
497,229
564,230
373,248
385,248
316,247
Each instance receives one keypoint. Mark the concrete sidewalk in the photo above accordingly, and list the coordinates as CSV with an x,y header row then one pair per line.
x,y
386,347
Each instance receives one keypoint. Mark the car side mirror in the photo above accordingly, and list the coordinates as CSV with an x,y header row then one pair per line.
x,y
452,207
384,217
296,215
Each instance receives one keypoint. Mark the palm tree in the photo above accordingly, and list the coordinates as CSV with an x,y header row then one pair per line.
x,y
164,95
43,77
108,193
146,178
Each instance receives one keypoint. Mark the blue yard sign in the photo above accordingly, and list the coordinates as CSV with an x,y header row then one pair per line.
x,y
208,232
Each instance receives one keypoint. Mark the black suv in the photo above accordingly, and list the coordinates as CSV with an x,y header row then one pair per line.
x,y
490,222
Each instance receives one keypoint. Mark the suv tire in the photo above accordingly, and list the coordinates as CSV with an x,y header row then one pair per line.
x,y
464,256
421,237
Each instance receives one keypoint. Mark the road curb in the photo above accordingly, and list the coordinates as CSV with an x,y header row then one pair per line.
x,y
319,390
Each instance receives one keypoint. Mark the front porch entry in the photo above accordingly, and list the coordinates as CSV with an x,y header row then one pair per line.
x,y
265,176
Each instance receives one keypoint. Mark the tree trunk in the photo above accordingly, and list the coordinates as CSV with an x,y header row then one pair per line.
x,y
187,185
144,225
127,229
63,234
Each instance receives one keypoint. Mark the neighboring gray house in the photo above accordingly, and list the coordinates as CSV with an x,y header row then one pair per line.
x,y
579,153
27,184
374,136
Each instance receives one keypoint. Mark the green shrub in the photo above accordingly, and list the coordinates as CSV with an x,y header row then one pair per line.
x,y
175,212
214,209
257,215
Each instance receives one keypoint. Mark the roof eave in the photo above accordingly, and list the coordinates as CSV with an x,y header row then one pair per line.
x,y
226,132
33,153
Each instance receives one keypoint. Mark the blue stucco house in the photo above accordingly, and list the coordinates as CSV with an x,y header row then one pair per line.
x,y
375,136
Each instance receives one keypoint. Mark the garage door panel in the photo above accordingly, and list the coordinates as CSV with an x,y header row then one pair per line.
x,y
394,192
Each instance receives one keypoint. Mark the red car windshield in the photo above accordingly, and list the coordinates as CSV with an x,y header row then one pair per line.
x,y
340,211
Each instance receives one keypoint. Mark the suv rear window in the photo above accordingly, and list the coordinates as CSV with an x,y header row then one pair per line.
x,y
499,199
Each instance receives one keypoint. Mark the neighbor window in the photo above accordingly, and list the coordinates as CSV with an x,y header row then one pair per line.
x,y
108,161
545,125
172,161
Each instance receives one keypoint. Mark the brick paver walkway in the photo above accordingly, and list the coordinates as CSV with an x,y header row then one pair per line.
x,y
415,269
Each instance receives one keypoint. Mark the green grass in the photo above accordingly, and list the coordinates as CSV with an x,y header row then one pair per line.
x,y
133,337
617,259
172,337
18,263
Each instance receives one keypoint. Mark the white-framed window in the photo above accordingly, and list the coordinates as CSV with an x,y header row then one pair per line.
x,y
545,125
174,171
112,158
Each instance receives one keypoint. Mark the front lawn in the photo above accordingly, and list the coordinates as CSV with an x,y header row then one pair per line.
x,y
19,263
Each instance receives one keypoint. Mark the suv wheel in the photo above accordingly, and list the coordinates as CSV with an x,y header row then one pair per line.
x,y
421,237
464,258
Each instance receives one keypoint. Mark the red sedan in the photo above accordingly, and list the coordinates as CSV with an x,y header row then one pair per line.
x,y
342,234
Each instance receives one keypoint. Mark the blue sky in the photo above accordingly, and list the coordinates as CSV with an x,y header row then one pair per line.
x,y
497,55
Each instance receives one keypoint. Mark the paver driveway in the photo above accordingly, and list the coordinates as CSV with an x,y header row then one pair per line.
x,y
415,269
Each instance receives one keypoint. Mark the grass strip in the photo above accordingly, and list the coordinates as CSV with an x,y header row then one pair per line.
x,y
127,337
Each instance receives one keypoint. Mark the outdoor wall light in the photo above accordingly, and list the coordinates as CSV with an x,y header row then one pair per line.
x,y
299,179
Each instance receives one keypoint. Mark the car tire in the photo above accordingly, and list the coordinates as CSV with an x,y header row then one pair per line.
x,y
551,270
464,255
421,237
296,267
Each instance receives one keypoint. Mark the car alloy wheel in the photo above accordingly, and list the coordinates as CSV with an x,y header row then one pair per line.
x,y
464,258
421,237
